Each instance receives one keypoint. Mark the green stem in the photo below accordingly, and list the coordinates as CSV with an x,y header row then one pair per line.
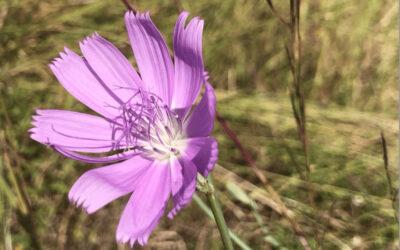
x,y
219,217
209,213
206,186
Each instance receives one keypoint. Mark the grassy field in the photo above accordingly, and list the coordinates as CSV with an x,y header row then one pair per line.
x,y
350,74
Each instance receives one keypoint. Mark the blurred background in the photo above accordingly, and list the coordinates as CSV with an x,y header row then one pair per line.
x,y
340,191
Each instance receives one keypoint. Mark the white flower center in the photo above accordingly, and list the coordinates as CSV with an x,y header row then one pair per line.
x,y
149,127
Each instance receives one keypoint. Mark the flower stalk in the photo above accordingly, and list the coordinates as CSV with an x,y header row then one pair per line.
x,y
205,186
239,242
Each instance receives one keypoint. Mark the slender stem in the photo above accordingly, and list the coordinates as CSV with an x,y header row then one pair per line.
x,y
392,190
206,186
274,195
129,6
178,6
22,205
271,6
209,213
219,217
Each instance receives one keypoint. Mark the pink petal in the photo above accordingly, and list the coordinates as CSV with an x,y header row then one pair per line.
x,y
151,54
97,187
146,205
188,60
201,121
72,130
73,73
176,175
111,66
184,196
203,152
200,156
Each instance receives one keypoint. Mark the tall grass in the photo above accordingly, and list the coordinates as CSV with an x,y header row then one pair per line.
x,y
349,72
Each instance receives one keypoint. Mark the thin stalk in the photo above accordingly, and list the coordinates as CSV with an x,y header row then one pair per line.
x,y
10,159
129,6
297,96
11,176
274,195
6,227
5,135
178,6
301,96
392,190
209,213
206,186
271,6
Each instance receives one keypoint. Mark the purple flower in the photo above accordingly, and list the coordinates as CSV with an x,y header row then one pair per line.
x,y
156,144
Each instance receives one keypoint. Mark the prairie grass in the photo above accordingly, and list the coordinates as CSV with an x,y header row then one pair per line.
x,y
350,76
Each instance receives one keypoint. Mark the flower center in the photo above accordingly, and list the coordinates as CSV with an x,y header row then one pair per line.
x,y
148,126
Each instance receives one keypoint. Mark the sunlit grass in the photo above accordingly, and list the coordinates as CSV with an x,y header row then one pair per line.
x,y
350,72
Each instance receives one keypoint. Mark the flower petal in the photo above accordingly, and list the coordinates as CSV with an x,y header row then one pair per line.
x,y
97,187
203,152
200,156
111,66
151,54
176,175
201,121
184,196
146,205
72,130
188,60
72,72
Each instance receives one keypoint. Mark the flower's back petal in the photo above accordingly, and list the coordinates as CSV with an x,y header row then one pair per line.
x,y
188,60
72,130
201,121
200,156
151,54
203,152
207,157
146,205
183,197
97,187
73,73
111,66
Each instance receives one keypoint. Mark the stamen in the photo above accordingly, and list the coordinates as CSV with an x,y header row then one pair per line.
x,y
92,159
147,126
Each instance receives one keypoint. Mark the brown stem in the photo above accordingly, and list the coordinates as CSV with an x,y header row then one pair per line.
x,y
178,5
301,95
295,226
392,190
271,6
129,6
297,97
239,145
